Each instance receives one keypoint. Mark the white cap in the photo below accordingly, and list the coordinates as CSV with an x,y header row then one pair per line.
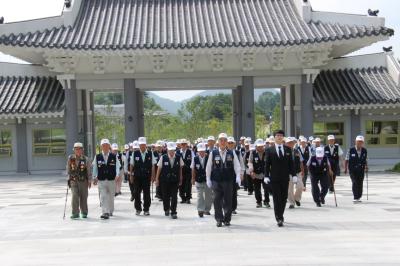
x,y
126,147
78,145
290,139
171,146
222,136
178,141
331,137
231,139
158,143
317,140
211,138
303,139
247,142
130,144
271,139
142,140
184,141
319,152
360,138
104,141
201,147
114,146
310,138
259,142
252,147
242,138
135,145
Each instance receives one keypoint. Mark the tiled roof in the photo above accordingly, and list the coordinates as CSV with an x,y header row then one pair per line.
x,y
30,95
174,24
355,87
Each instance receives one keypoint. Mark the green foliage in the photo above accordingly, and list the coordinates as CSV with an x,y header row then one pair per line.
x,y
396,168
108,98
200,116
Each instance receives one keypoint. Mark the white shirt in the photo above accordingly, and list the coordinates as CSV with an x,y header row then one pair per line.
x,y
222,153
277,149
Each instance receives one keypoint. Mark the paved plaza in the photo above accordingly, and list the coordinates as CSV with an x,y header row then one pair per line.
x,y
34,233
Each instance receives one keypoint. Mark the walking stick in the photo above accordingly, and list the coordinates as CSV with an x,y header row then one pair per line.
x,y
367,183
334,190
65,205
152,190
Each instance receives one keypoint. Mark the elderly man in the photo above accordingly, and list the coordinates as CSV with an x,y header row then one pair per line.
x,y
320,171
105,171
294,196
142,165
204,193
118,181
305,153
79,180
222,166
334,153
169,177
185,190
357,163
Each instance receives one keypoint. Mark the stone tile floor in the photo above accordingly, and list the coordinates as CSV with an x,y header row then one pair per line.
x,y
32,231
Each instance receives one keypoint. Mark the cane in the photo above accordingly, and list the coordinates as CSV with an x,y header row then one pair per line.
x,y
65,205
334,190
152,190
367,182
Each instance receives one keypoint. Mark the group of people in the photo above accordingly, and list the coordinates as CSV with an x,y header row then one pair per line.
x,y
278,166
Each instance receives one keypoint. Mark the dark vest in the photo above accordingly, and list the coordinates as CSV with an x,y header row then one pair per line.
x,y
106,170
317,169
333,158
121,162
129,160
258,162
296,161
357,163
170,174
305,154
222,171
246,158
200,170
142,169
187,160
78,168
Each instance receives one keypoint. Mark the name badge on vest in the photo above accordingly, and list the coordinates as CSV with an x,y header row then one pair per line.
x,y
256,159
100,163
137,158
166,163
217,159
353,155
229,157
198,166
112,162
314,164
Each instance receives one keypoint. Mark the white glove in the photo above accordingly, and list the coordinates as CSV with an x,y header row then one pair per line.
x,y
267,180
294,179
238,180
209,183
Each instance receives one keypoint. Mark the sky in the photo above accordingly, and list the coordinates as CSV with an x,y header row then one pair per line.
x,y
11,11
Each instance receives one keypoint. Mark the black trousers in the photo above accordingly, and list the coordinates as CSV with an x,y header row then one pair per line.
x,y
279,196
357,180
158,192
131,188
185,190
169,192
142,185
317,192
257,190
223,200
249,182
235,188
305,174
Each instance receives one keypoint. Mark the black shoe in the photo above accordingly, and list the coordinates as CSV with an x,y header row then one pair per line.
x,y
250,193
104,216
227,223
174,216
245,189
322,201
267,205
258,205
138,213
219,224
167,213
291,206
207,213
188,201
298,203
132,198
116,194
111,214
160,199
183,201
318,204
201,214
146,213
280,223
234,212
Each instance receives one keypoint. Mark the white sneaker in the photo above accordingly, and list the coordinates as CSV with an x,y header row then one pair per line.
x,y
355,201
